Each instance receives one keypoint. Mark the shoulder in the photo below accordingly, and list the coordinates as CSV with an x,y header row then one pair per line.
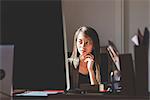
x,y
74,62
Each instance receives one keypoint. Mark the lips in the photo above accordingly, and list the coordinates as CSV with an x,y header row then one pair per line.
x,y
83,50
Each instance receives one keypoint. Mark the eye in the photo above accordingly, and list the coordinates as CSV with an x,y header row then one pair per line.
x,y
80,41
87,42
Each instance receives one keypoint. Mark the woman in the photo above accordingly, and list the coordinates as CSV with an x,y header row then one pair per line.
x,y
85,58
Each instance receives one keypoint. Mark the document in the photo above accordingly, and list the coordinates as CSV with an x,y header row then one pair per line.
x,y
36,93
135,40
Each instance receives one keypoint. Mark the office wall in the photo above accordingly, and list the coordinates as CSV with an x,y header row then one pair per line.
x,y
137,15
103,15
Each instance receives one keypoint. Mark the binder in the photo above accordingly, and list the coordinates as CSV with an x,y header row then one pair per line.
x,y
141,69
127,74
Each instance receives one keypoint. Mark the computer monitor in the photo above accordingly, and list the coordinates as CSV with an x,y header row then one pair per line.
x,y
36,30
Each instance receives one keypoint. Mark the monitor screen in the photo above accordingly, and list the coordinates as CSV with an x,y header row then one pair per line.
x,y
36,30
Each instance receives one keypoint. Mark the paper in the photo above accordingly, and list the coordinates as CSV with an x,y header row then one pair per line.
x,y
36,93
135,40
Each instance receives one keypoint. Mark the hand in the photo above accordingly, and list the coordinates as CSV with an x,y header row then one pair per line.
x,y
89,58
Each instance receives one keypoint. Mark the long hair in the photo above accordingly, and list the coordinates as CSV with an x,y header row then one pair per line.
x,y
96,49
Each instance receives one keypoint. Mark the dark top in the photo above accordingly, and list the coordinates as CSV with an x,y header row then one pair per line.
x,y
76,78
83,78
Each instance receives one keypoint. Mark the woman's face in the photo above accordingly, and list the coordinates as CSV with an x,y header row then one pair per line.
x,y
84,44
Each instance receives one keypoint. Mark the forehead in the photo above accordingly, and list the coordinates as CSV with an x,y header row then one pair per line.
x,y
83,36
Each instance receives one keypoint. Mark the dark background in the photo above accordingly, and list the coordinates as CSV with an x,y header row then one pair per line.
x,y
36,30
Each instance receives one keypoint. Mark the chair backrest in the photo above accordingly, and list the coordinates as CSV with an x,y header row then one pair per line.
x,y
104,68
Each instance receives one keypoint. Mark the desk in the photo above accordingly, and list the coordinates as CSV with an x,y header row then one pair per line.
x,y
77,97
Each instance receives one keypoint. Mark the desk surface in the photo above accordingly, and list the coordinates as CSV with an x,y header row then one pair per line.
x,y
77,96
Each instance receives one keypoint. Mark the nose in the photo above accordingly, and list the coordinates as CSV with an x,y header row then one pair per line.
x,y
83,44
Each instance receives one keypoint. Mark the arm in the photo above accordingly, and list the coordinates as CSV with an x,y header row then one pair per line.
x,y
90,62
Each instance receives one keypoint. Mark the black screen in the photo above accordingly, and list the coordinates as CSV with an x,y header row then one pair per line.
x,y
36,30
